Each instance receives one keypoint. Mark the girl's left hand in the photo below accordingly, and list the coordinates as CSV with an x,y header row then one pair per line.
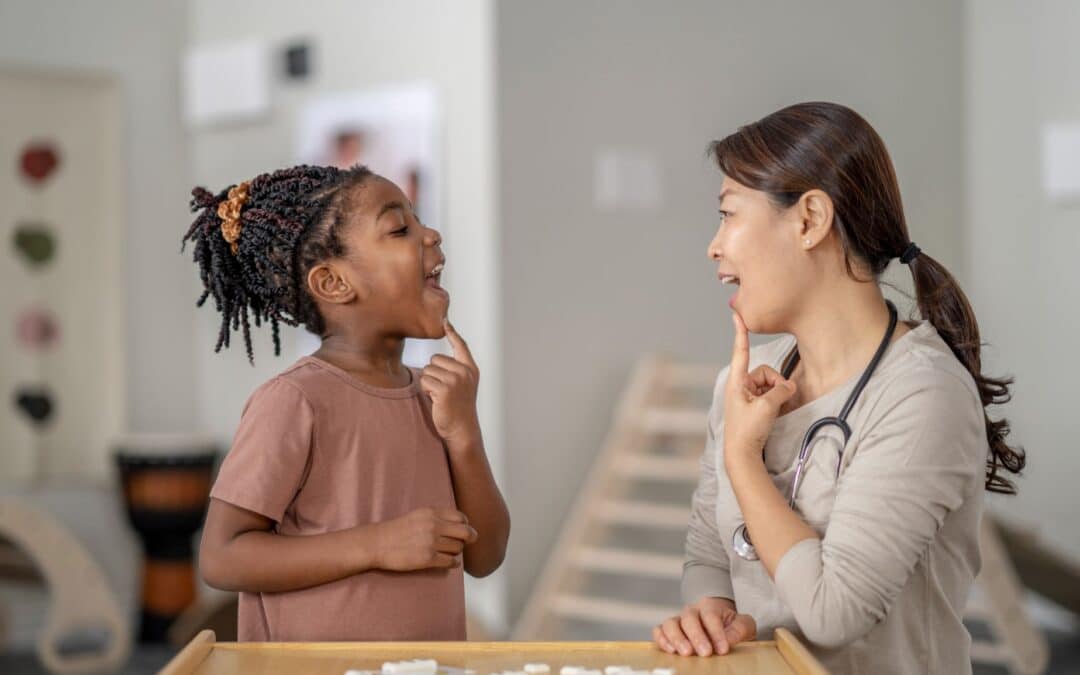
x,y
451,383
752,401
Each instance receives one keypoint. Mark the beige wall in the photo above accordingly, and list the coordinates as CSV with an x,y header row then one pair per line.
x,y
584,293
1023,71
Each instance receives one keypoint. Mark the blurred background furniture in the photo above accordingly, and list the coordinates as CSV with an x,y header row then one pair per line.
x,y
85,629
165,480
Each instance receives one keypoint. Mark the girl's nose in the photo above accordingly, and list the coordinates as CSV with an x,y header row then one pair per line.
x,y
432,237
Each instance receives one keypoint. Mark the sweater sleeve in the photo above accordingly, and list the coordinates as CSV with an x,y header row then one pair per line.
x,y
922,454
706,570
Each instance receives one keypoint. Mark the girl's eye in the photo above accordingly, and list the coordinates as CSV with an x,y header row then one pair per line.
x,y
401,231
724,214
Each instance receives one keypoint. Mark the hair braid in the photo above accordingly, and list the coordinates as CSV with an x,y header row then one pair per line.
x,y
289,222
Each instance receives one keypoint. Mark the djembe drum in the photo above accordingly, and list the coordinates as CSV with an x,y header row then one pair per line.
x,y
166,484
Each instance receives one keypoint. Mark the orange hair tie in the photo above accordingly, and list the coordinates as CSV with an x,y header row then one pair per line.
x,y
229,212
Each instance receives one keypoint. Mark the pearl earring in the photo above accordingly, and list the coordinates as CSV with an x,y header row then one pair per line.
x,y
807,242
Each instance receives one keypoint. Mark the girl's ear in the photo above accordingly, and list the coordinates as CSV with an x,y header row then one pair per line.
x,y
327,284
815,211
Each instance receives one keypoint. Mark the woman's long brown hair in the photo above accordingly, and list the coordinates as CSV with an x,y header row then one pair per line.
x,y
829,147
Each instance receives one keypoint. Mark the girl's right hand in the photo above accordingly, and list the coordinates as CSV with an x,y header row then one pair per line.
x,y
422,539
707,626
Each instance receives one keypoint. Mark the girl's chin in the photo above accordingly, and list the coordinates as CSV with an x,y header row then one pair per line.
x,y
431,327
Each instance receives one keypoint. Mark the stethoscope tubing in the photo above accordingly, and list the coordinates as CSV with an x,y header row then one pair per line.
x,y
741,539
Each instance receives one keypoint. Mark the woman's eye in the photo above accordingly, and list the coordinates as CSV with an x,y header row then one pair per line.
x,y
724,214
401,231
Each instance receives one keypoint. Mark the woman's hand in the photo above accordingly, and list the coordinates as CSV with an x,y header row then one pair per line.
x,y
752,401
710,625
451,383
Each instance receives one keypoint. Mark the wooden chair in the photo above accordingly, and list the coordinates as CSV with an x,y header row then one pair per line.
x,y
81,599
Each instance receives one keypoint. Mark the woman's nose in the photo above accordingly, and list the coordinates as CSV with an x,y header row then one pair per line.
x,y
432,237
713,251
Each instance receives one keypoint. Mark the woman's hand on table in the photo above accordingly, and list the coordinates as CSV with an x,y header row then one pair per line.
x,y
708,626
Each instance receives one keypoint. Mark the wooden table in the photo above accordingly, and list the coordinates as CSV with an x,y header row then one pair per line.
x,y
205,656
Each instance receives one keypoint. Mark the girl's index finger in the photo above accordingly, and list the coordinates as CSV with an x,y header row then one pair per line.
x,y
740,352
457,343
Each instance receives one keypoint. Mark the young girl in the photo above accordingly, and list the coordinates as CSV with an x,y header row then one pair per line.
x,y
356,489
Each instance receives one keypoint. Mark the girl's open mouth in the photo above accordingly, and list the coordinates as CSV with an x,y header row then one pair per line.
x,y
432,279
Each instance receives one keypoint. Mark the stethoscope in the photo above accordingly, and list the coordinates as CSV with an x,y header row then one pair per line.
x,y
741,539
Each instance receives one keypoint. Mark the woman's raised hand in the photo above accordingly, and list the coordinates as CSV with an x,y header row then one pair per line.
x,y
752,400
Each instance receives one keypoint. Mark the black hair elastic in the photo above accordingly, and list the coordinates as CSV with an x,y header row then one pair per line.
x,y
910,253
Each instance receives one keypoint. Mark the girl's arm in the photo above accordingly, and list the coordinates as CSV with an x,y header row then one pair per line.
x,y
240,552
452,384
479,498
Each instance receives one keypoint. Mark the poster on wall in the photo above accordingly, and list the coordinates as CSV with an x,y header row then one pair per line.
x,y
394,131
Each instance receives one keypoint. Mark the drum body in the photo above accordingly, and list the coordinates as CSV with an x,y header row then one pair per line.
x,y
166,493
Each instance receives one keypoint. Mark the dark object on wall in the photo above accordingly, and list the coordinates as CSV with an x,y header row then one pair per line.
x,y
38,161
35,243
36,403
166,490
298,61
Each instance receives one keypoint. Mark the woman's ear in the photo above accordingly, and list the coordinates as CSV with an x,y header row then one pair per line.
x,y
327,284
815,211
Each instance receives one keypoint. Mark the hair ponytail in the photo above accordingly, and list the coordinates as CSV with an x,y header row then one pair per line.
x,y
943,304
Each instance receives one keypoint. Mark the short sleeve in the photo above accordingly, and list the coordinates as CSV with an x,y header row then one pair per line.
x,y
269,457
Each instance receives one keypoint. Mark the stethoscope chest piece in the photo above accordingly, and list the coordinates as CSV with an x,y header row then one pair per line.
x,y
740,541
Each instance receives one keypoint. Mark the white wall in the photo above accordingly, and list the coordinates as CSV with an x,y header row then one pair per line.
x,y
358,45
1023,70
584,293
138,42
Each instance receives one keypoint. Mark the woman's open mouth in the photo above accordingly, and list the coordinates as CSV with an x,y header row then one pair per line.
x,y
731,280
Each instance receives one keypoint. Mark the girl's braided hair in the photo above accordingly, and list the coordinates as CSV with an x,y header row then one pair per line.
x,y
254,244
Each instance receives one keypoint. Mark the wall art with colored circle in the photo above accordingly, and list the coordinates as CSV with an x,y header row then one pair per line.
x,y
61,246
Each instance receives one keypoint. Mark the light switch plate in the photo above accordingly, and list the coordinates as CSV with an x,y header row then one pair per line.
x,y
626,179
226,83
1061,161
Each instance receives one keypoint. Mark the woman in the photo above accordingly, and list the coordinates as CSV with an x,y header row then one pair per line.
x,y
872,560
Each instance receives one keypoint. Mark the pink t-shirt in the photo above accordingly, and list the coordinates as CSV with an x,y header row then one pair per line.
x,y
319,451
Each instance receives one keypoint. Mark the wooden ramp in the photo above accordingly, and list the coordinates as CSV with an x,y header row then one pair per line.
x,y
616,566
615,569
